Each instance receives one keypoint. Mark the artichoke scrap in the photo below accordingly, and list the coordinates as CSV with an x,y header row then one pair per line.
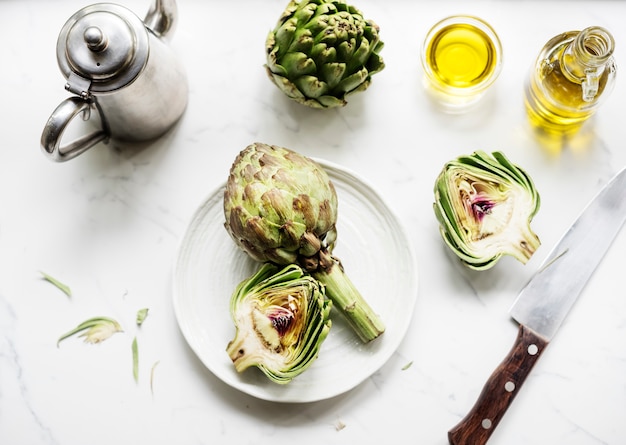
x,y
484,205
281,207
282,317
321,51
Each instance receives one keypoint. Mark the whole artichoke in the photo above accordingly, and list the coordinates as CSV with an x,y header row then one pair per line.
x,y
282,317
322,50
484,205
281,207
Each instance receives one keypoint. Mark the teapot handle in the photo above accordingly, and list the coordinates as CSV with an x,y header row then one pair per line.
x,y
162,18
58,122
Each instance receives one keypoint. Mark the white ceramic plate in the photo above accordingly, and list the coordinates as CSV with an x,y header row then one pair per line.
x,y
376,255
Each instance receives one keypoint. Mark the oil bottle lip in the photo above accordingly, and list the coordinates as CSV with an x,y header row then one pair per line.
x,y
594,45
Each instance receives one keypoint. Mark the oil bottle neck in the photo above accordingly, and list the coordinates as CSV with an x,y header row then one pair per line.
x,y
586,58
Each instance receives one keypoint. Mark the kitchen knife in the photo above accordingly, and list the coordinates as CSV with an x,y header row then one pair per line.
x,y
543,304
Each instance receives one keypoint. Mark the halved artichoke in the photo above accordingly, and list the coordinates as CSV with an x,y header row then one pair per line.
x,y
281,207
484,205
282,318
321,51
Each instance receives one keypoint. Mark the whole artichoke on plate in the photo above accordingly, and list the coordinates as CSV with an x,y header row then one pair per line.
x,y
484,205
321,51
281,207
282,317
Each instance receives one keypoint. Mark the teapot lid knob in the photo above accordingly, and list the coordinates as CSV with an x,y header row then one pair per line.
x,y
105,44
95,39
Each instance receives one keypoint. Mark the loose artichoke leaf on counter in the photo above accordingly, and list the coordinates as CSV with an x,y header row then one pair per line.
x,y
152,369
135,351
97,329
58,284
139,319
141,316
94,330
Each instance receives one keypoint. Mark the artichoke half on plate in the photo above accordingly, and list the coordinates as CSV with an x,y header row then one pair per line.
x,y
282,317
320,51
281,207
484,205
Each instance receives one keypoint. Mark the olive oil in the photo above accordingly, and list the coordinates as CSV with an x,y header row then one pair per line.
x,y
573,72
461,56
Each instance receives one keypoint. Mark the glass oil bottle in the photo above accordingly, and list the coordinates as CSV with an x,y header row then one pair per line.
x,y
573,73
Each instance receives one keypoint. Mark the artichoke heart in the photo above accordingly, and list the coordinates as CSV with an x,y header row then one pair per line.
x,y
281,207
484,205
282,317
320,51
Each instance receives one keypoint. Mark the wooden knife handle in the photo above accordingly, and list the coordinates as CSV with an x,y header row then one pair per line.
x,y
499,391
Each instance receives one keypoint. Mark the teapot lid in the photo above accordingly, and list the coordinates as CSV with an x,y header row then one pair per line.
x,y
105,45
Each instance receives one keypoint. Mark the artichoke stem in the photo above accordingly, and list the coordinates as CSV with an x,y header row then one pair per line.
x,y
346,297
244,352
526,246
238,352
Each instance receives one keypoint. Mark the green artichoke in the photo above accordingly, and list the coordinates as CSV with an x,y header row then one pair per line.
x,y
484,205
321,51
282,318
281,207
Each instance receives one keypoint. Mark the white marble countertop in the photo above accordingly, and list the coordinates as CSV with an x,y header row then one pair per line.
x,y
108,224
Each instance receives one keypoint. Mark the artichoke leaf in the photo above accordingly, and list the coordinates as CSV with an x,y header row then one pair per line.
x,y
360,55
332,73
323,54
354,81
345,51
303,13
298,64
286,86
135,351
94,330
57,283
141,316
330,102
375,63
303,42
284,35
311,86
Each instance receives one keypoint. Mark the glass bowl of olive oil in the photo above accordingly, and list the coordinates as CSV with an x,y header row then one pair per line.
x,y
461,58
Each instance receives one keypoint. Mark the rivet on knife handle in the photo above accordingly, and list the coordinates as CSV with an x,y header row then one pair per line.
x,y
499,390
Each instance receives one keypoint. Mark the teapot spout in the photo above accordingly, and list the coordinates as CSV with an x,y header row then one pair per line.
x,y
161,18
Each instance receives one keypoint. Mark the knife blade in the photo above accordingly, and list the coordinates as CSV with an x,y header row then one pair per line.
x,y
543,304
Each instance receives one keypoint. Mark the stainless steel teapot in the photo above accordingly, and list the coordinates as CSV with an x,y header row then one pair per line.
x,y
120,68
